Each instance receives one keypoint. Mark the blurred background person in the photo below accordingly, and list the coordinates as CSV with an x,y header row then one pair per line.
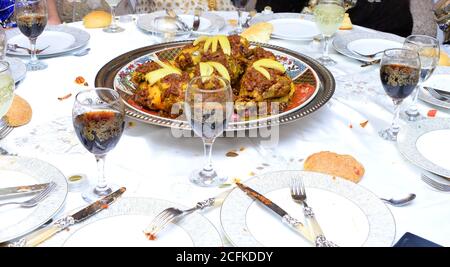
x,y
7,11
281,5
392,16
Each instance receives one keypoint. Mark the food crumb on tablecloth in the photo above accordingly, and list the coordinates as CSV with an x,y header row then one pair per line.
x,y
364,124
61,98
231,154
432,113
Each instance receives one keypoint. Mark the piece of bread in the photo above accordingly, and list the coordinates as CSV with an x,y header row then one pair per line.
x,y
444,59
19,113
97,19
346,23
259,32
344,166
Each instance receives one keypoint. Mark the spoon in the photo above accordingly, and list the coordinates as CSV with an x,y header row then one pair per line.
x,y
401,201
82,52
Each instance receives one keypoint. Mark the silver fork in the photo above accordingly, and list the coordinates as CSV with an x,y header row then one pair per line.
x,y
171,214
35,200
436,185
14,47
5,128
298,194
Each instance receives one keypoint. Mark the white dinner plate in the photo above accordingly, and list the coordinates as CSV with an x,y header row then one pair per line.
x,y
371,46
17,67
122,224
426,144
294,29
209,22
60,39
342,40
290,26
438,81
349,214
14,171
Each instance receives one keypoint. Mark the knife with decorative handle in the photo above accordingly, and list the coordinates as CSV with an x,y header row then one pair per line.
x,y
36,238
285,217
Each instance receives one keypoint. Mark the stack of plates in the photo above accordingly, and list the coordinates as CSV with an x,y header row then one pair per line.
x,y
16,171
349,214
355,45
210,23
426,144
440,82
60,39
290,26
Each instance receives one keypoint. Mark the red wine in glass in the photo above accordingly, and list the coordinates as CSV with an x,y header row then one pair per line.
x,y
31,25
399,81
399,74
99,131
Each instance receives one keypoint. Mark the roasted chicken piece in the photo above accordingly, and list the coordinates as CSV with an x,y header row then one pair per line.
x,y
189,56
229,51
160,86
266,79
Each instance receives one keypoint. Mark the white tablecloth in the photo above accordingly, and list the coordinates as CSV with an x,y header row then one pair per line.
x,y
152,163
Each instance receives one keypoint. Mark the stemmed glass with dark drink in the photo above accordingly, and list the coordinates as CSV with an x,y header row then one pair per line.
x,y
208,108
98,118
31,18
240,7
429,51
399,73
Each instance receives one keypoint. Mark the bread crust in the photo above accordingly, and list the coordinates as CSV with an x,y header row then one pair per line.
x,y
259,32
19,113
97,19
327,162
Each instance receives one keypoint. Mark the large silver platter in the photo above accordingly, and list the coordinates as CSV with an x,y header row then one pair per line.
x,y
301,68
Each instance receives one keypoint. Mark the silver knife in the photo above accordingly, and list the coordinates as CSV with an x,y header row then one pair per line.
x,y
285,217
20,191
36,238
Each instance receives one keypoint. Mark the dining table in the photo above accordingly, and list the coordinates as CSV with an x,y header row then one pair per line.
x,y
152,161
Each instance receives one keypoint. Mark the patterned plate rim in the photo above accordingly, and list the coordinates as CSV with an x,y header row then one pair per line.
x,y
46,209
142,205
341,40
81,36
217,22
407,143
378,214
105,78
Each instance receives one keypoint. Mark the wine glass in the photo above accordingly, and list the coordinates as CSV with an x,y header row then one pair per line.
x,y
98,119
240,7
429,51
6,93
6,12
113,27
329,15
31,17
399,73
6,88
208,108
